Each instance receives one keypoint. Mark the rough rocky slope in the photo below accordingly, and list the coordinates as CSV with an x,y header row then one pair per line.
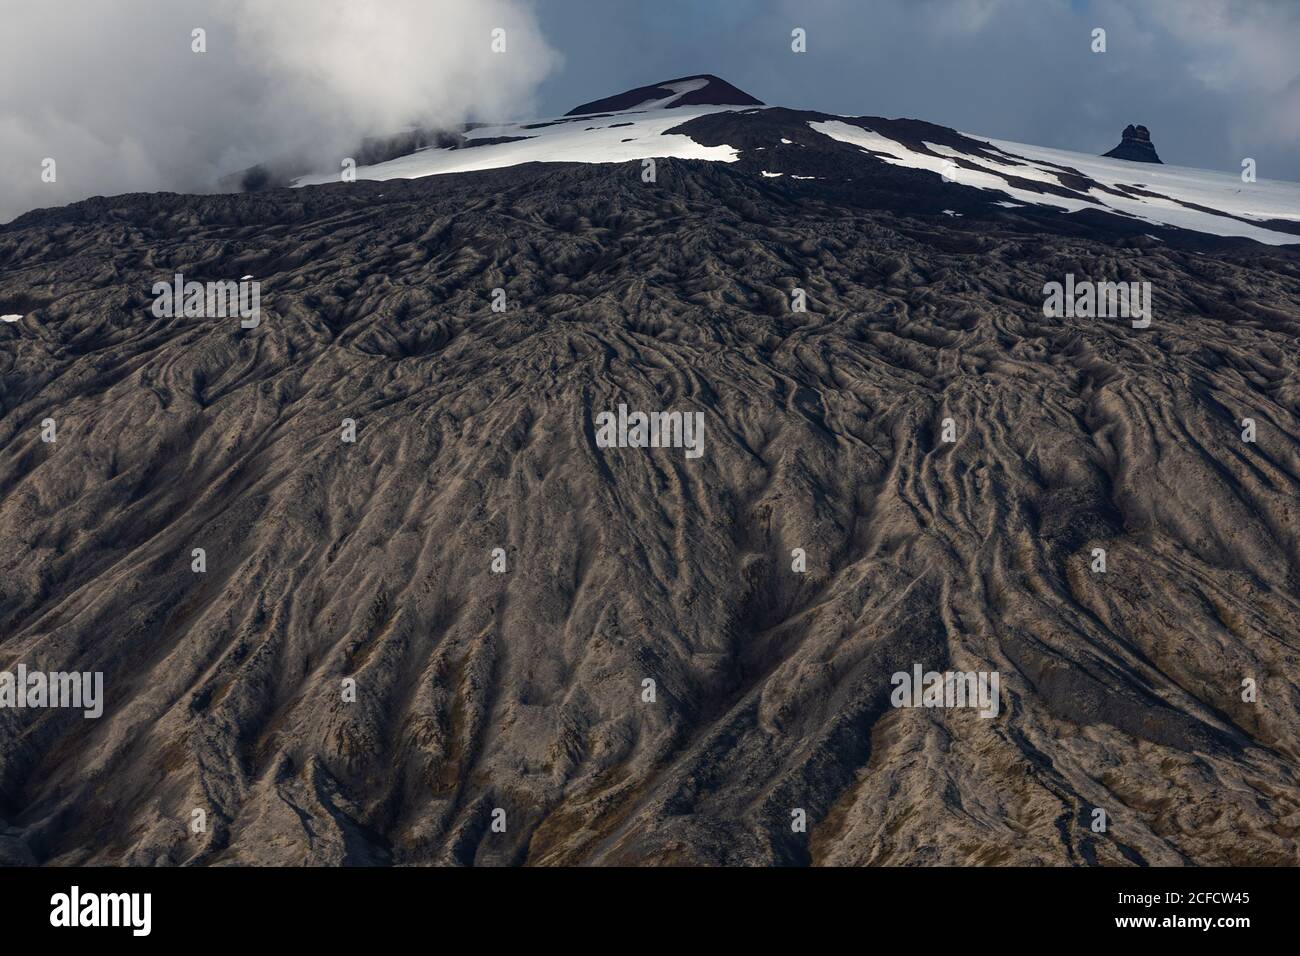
x,y
523,690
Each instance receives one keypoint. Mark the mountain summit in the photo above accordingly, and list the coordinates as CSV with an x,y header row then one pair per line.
x,y
704,89
905,165
1135,145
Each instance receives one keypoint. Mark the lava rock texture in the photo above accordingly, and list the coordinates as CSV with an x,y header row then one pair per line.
x,y
523,690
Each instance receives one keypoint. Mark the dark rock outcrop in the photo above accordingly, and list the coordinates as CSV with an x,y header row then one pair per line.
x,y
1135,146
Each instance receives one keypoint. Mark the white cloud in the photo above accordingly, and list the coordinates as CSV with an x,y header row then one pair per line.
x,y
115,95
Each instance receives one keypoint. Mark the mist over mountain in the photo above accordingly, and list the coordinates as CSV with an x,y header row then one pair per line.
x,y
176,94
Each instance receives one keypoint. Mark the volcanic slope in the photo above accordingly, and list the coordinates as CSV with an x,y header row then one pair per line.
x,y
810,146
523,690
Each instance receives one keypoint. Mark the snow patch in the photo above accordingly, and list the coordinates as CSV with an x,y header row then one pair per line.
x,y
680,89
1171,186
638,136
1225,192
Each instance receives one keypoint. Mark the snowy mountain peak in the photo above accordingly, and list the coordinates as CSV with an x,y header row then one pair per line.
x,y
913,167
704,89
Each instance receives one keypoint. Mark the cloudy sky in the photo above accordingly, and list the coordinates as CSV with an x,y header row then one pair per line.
x,y
112,90
1214,80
